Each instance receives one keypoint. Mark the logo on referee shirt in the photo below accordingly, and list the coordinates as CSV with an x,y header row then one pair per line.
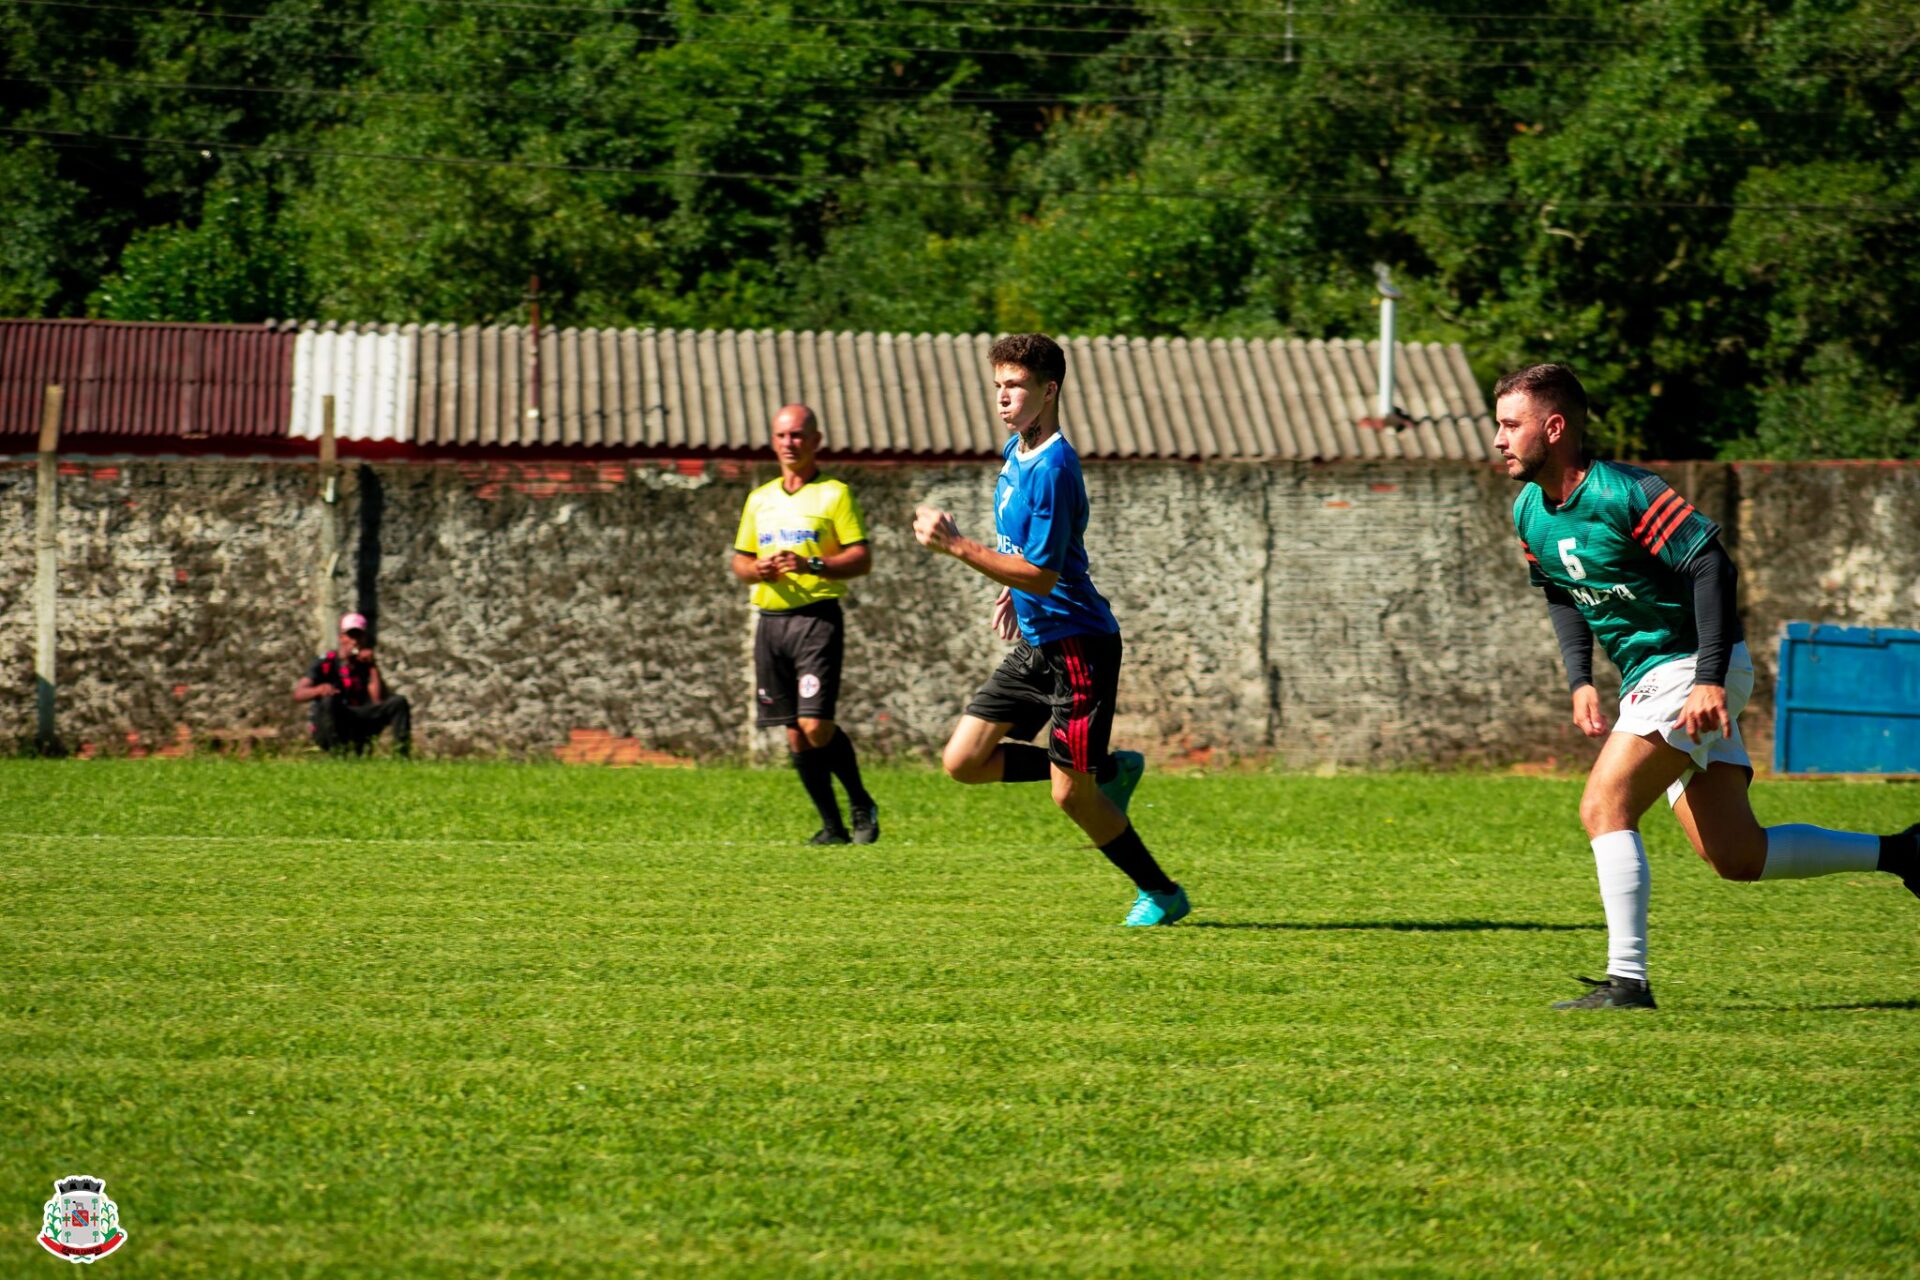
x,y
809,685
81,1224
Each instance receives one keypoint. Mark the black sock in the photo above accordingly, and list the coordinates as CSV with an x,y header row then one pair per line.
x,y
817,777
1899,854
1023,762
1127,853
846,767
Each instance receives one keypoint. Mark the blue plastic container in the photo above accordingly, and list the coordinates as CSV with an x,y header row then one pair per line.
x,y
1847,700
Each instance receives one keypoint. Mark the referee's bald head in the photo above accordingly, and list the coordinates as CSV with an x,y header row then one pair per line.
x,y
796,417
796,438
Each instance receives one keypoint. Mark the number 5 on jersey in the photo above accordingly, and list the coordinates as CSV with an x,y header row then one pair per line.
x,y
1571,560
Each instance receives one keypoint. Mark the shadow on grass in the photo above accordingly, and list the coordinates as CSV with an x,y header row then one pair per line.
x,y
1399,926
1850,1006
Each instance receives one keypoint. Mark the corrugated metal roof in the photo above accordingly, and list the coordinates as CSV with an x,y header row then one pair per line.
x,y
439,386
369,376
907,394
181,380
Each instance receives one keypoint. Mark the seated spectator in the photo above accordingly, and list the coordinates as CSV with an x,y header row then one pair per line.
x,y
348,700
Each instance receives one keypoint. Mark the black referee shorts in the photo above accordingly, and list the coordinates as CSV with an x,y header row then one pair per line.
x,y
796,663
1068,685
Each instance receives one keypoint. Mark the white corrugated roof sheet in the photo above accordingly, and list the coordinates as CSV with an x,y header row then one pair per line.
x,y
369,376
877,393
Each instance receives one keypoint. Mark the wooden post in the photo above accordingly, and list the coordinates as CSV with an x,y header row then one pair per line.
x,y
329,526
46,575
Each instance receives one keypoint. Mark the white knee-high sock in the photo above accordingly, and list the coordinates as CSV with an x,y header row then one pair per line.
x,y
1625,883
1798,851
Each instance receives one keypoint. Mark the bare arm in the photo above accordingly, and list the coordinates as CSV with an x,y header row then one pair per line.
x,y
1006,623
936,531
848,562
307,690
747,568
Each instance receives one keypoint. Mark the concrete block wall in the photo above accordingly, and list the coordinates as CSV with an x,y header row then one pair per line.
x,y
1358,615
1835,543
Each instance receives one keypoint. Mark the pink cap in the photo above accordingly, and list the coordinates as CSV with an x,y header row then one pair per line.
x,y
353,622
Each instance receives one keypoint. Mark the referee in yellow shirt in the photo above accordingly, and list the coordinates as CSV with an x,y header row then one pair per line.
x,y
801,537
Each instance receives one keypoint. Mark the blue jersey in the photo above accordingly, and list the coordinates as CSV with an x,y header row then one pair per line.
x,y
1040,515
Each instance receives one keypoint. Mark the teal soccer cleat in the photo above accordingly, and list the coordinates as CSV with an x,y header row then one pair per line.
x,y
1158,908
1119,788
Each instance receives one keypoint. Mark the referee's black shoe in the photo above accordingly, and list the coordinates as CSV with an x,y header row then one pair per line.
x,y
1615,993
866,824
831,835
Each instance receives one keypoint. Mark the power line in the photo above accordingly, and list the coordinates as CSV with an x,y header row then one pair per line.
x,y
1185,34
839,94
1188,59
676,39
207,148
941,102
1375,17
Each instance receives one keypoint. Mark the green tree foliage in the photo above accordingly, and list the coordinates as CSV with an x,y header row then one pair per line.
x,y
236,263
1709,207
47,248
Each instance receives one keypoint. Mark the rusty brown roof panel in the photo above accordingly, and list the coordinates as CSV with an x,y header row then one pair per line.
x,y
181,380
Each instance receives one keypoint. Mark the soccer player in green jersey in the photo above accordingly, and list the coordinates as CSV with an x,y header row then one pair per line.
x,y
1624,558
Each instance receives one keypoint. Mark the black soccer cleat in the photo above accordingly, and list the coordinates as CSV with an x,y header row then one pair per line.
x,y
827,835
1901,855
1614,993
866,824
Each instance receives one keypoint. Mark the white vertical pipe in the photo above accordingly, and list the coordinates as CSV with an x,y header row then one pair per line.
x,y
1384,408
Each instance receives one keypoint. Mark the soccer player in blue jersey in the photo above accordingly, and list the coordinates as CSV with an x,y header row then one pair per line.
x,y
1064,669
1624,558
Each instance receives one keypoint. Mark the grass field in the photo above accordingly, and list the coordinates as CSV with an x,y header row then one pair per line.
x,y
316,1018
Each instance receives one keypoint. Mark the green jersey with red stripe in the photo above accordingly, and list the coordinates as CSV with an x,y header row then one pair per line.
x,y
1616,545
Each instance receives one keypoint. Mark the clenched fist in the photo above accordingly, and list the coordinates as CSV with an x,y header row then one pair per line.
x,y
934,528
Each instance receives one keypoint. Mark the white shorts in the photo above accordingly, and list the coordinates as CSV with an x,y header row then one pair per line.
x,y
1654,704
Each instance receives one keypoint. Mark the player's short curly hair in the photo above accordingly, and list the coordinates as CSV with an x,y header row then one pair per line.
x,y
1552,386
1034,352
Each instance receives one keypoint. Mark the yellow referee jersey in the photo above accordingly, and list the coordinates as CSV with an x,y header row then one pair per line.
x,y
817,521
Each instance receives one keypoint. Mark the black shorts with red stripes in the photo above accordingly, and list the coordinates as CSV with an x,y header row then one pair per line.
x,y
1066,685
